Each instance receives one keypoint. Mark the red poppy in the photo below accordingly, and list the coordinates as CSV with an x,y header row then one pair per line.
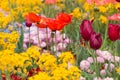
x,y
54,24
64,18
42,23
32,17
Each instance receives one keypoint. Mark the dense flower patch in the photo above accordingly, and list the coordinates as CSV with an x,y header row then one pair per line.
x,y
59,40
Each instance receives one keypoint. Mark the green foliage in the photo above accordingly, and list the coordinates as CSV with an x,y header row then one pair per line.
x,y
19,46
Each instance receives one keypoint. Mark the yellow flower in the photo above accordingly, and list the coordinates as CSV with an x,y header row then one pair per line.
x,y
117,5
103,19
118,70
102,9
76,13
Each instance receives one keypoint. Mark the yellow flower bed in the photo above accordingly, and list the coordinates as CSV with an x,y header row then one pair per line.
x,y
51,67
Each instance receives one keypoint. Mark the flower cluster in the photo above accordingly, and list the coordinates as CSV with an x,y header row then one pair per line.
x,y
54,24
9,40
61,39
88,34
34,65
106,63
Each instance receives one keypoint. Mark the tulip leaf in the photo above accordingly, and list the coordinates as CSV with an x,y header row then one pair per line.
x,y
118,47
19,46
0,75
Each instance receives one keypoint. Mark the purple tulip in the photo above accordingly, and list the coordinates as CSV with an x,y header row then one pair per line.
x,y
95,41
118,0
28,23
86,29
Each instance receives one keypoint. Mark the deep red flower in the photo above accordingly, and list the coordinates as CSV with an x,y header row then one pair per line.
x,y
28,23
95,41
113,32
64,18
3,77
42,23
32,17
15,77
118,0
31,72
54,24
86,29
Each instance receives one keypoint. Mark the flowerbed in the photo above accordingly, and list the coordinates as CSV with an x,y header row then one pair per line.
x,y
59,40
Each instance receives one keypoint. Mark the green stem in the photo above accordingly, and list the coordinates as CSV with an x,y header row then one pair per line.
x,y
56,44
47,37
104,42
38,37
29,37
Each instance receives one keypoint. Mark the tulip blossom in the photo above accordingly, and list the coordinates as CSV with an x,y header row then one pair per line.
x,y
42,23
54,24
86,30
101,2
64,18
28,23
95,41
50,1
113,32
118,0
114,17
32,17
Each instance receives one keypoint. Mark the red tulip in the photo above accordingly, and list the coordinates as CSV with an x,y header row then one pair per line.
x,y
95,41
86,29
54,24
32,17
42,23
64,18
113,32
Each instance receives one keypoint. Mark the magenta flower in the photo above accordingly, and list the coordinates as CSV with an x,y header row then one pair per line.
x,y
86,29
113,32
95,41
118,0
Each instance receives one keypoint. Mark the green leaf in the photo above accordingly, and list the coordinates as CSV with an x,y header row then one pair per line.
x,y
7,75
19,47
118,47
0,75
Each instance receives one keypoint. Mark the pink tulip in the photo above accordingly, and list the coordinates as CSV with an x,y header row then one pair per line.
x,y
50,1
114,17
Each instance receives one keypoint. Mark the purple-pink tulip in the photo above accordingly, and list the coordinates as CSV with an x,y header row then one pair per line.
x,y
86,29
95,41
